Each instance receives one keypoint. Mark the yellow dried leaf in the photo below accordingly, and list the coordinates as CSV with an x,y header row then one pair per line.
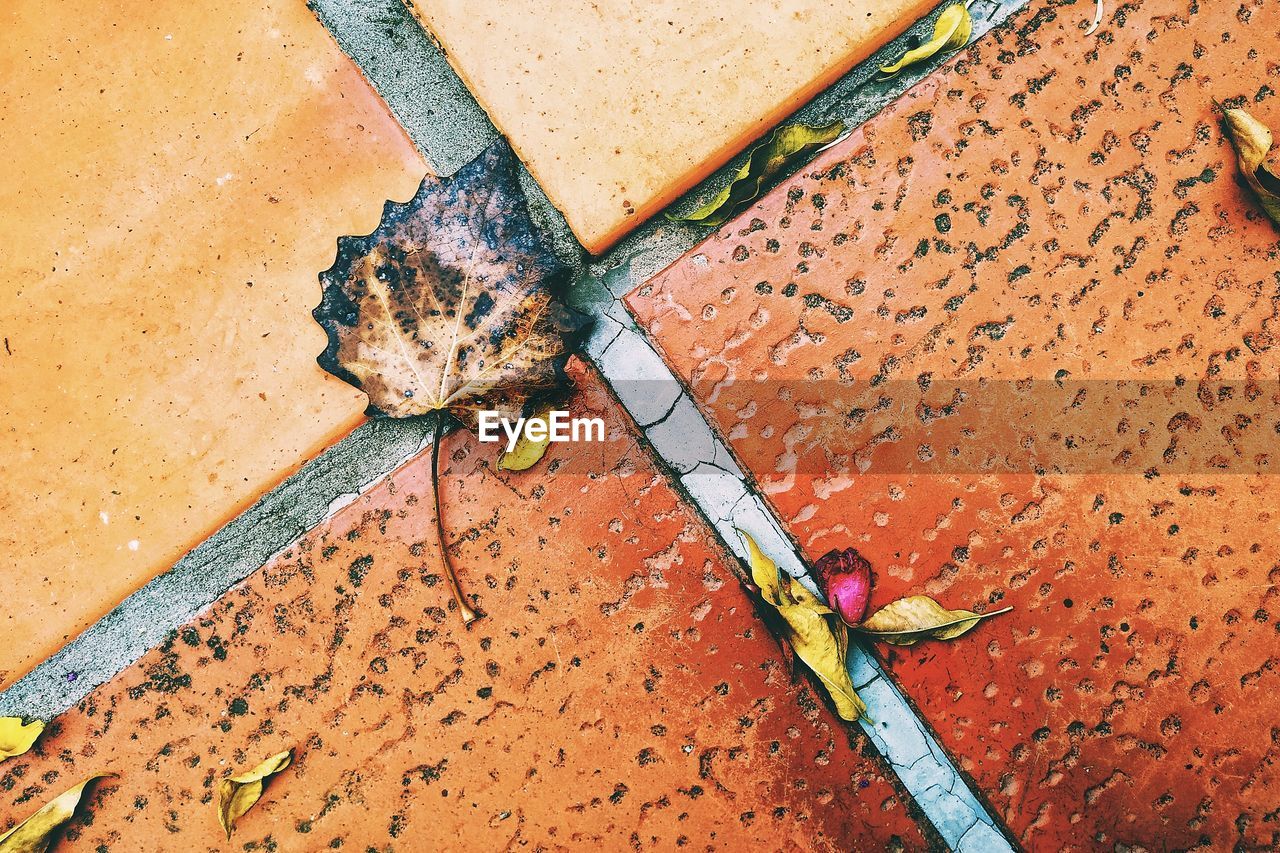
x,y
951,32
909,620
16,738
781,149
1252,140
37,833
238,794
819,638
527,451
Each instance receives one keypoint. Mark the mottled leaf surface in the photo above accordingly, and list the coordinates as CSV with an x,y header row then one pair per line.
x,y
450,304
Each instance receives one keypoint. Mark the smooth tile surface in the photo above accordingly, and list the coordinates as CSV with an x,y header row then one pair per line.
x,y
618,107
618,692
1015,341
175,178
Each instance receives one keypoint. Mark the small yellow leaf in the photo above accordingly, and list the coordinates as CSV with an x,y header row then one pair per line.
x,y
527,452
16,738
784,147
238,794
37,833
951,32
819,638
909,620
1252,140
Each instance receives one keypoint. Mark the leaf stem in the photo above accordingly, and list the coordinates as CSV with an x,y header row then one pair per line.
x,y
468,615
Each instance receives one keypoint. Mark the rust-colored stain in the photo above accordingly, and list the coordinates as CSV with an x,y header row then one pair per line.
x,y
176,177
1049,216
619,690
618,107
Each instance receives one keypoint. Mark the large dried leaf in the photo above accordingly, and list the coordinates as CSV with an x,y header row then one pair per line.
x,y
37,833
1252,140
238,794
777,154
909,620
951,32
15,737
816,634
450,304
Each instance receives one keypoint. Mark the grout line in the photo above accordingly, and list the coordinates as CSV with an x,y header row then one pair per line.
x,y
444,121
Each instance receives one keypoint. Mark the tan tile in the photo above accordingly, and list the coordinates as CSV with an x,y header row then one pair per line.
x,y
176,175
618,107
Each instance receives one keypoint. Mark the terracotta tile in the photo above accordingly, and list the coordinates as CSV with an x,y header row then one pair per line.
x,y
1064,210
177,177
619,690
619,107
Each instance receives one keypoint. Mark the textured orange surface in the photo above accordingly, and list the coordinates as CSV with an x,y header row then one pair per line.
x,y
619,690
1064,210
175,177
618,107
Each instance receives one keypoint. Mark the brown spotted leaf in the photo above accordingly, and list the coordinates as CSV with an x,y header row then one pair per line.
x,y
450,304
450,308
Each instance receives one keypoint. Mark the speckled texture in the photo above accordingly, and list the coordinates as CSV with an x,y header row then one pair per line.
x,y
618,692
1046,203
175,176
618,107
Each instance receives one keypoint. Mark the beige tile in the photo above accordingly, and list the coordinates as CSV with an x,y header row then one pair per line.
x,y
618,107
176,175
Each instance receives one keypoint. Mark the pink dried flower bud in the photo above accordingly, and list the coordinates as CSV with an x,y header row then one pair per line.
x,y
845,579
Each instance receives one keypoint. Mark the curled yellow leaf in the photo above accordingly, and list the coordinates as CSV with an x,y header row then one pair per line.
x,y
951,32
37,833
238,794
1252,140
15,737
528,451
818,637
781,149
909,620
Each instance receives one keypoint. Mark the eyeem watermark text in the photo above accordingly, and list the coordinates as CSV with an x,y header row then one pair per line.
x,y
556,425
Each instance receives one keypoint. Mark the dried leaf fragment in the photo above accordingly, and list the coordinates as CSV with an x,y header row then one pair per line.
x,y
1097,19
951,32
238,794
909,620
37,833
816,634
781,149
1252,140
528,451
16,738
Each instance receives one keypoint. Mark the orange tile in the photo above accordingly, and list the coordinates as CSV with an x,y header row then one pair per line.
x,y
619,107
1060,216
175,178
618,692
